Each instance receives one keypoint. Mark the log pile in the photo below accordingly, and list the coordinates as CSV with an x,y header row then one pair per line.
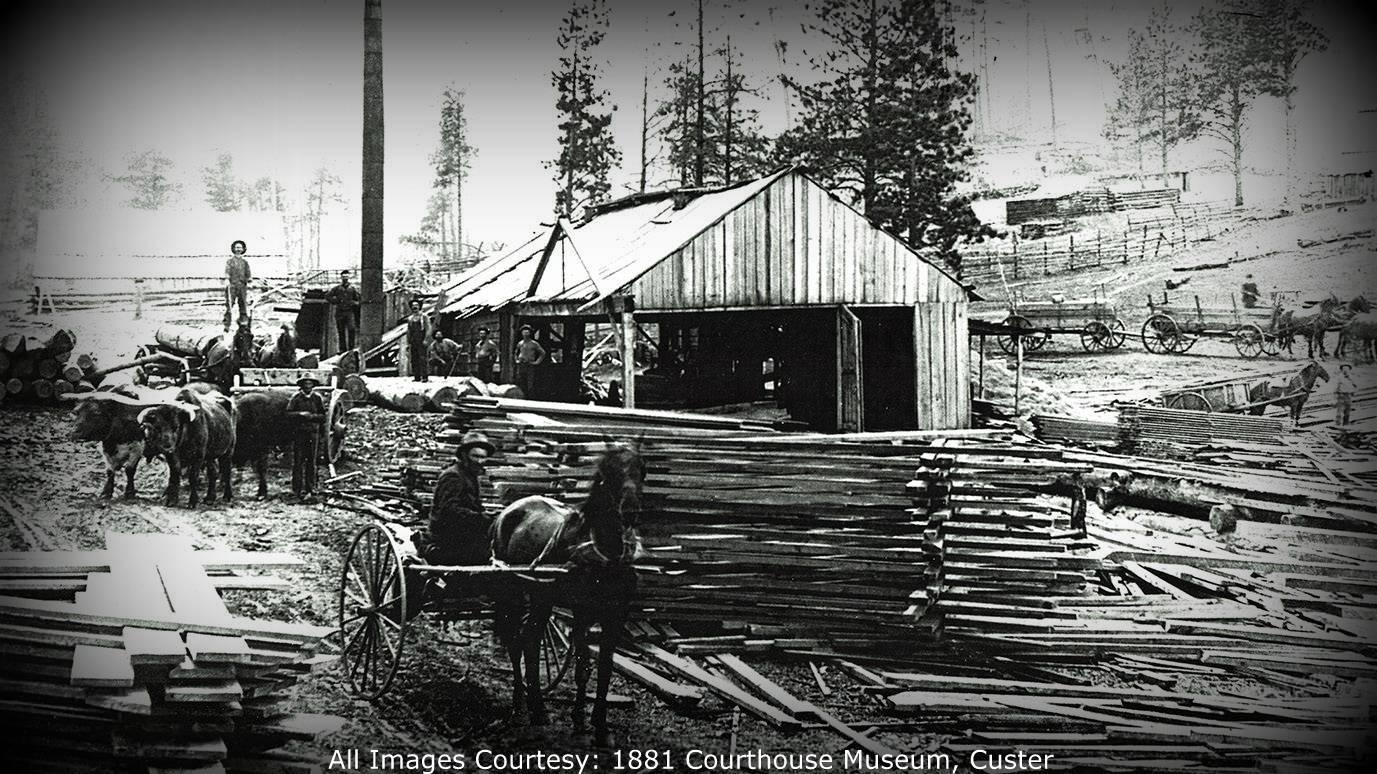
x,y
404,394
127,659
37,366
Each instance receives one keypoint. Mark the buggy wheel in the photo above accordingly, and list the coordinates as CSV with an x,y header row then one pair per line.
x,y
556,653
337,425
1116,330
372,611
1160,334
1248,340
1183,343
1188,401
1032,340
1271,344
1097,337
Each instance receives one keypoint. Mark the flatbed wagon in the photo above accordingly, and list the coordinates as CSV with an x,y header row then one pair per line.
x,y
1095,321
1239,395
1176,327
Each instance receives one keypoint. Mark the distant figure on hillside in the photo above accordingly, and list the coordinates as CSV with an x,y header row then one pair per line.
x,y
1343,395
237,276
346,299
1250,293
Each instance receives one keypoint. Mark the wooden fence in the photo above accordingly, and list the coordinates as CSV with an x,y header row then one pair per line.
x,y
1149,236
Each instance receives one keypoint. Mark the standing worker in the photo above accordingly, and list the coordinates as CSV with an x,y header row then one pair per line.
x,y
418,330
306,411
237,276
485,354
346,299
529,354
1343,395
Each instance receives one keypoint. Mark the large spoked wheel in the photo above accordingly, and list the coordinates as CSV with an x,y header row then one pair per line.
x,y
1188,401
337,428
1271,344
1160,334
1097,337
556,652
1248,340
1116,329
372,611
1032,340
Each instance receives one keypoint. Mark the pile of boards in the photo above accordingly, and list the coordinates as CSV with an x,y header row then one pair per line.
x,y
1145,429
127,659
814,541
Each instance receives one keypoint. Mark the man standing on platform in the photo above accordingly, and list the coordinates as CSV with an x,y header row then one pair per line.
x,y
418,330
306,412
485,354
529,354
237,276
346,299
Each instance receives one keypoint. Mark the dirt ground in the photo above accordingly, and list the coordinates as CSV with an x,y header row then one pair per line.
x,y
451,693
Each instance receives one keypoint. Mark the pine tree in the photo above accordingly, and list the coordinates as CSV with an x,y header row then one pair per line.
x,y
888,129
324,189
451,163
587,153
147,179
1290,37
223,191
1155,104
1232,70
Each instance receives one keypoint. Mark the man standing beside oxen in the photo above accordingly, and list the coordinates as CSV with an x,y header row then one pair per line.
x,y
306,411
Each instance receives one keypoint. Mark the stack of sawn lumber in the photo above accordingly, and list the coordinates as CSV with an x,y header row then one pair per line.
x,y
1144,429
816,535
1225,655
1081,432
127,658
34,366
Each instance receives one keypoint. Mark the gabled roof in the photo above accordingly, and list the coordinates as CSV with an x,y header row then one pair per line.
x,y
617,245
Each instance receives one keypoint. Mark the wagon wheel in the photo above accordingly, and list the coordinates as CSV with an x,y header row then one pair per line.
x,y
372,611
1032,340
1248,340
1096,337
1188,401
1160,334
1116,329
1271,344
337,426
556,654
1183,343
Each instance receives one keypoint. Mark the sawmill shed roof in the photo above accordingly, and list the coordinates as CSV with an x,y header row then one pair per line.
x,y
780,240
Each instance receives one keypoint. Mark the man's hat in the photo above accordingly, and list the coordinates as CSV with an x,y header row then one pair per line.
x,y
474,438
314,382
1348,366
525,328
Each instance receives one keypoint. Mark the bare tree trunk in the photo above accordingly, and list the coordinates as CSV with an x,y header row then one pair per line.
x,y
698,126
371,252
645,121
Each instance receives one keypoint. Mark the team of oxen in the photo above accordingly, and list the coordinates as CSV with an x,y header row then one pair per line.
x,y
200,430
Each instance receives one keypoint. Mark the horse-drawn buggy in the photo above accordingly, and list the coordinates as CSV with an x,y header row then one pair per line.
x,y
1250,394
1175,328
556,569
1095,320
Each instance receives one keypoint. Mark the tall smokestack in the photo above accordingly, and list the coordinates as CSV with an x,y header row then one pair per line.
x,y
371,276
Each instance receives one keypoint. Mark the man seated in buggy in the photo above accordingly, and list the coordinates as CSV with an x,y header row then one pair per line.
x,y
458,531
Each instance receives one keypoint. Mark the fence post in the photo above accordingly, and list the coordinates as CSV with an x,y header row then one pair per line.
x,y
1072,263
1045,250
1142,253
1016,261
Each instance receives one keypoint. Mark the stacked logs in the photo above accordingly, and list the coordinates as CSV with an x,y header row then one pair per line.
x,y
38,366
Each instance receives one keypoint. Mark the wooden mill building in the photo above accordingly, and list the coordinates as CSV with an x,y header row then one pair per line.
x,y
770,288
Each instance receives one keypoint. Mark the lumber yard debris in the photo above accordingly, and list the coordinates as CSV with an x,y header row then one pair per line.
x,y
127,659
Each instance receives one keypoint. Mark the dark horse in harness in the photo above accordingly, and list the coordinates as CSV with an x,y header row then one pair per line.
x,y
598,543
1311,326
1298,389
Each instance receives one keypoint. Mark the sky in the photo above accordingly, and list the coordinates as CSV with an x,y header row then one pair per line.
x,y
277,84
